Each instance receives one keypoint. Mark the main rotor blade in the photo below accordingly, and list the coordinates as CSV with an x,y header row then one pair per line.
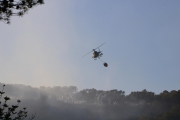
x,y
86,54
99,46
94,49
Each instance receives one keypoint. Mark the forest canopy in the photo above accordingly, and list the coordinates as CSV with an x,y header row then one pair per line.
x,y
97,104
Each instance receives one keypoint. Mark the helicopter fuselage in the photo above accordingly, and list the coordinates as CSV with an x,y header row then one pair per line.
x,y
96,54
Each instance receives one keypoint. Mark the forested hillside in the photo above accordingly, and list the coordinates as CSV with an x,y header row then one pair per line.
x,y
68,103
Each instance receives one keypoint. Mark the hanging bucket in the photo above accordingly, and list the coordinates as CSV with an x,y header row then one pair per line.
x,y
105,65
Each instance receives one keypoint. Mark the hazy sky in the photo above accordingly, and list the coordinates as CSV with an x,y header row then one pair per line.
x,y
45,46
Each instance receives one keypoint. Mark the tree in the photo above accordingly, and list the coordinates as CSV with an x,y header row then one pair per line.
x,y
10,113
10,8
146,118
173,114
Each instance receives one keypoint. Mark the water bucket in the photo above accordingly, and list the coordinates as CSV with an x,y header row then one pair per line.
x,y
105,65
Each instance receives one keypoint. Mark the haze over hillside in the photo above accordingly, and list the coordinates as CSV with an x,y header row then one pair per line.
x,y
68,103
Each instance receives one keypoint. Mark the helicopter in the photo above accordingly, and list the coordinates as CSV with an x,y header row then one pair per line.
x,y
97,54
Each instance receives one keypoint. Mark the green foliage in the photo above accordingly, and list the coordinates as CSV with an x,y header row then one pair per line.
x,y
7,8
10,112
173,114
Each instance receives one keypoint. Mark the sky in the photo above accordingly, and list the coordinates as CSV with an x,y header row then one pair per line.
x,y
46,45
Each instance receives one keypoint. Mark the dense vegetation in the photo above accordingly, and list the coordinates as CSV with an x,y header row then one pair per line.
x,y
10,112
10,8
69,103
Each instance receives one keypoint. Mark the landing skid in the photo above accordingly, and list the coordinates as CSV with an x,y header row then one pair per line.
x,y
94,58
